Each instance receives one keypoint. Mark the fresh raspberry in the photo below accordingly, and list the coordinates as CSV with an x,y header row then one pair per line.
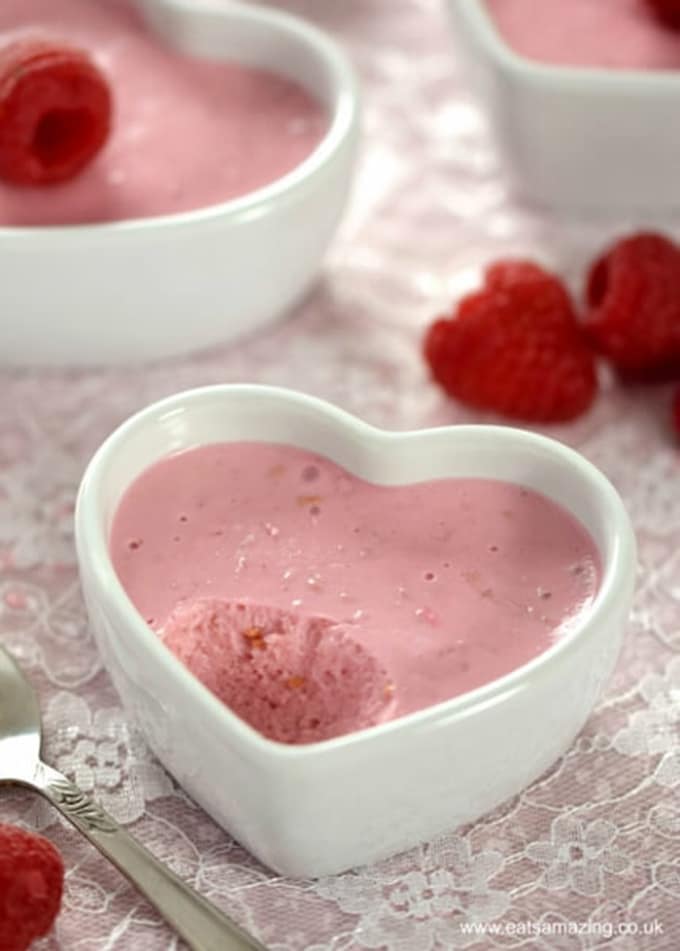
x,y
667,11
515,347
55,112
31,883
676,413
633,295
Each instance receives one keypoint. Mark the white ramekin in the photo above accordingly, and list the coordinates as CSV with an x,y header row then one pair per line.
x,y
150,288
576,139
318,809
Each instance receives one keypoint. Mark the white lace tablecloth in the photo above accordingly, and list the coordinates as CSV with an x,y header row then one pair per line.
x,y
595,844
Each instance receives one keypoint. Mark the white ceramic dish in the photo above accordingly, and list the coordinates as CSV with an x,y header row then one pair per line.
x,y
151,288
575,138
317,809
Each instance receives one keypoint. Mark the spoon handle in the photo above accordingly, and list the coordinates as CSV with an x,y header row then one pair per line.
x,y
203,926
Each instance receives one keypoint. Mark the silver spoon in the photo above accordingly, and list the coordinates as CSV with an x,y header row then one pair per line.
x,y
203,926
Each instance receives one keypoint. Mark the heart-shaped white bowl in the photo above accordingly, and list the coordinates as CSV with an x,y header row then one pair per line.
x,y
149,288
576,138
318,809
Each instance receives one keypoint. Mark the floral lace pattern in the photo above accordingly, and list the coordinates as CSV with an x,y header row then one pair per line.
x,y
590,851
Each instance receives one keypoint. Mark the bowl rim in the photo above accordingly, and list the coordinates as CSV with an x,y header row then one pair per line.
x,y
92,546
343,113
478,17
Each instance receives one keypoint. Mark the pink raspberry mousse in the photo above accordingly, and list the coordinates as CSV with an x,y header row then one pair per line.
x,y
293,678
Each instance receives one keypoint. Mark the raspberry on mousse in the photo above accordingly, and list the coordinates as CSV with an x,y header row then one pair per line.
x,y
55,111
667,11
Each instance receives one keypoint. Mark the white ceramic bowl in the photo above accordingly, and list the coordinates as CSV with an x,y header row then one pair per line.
x,y
317,809
576,138
150,288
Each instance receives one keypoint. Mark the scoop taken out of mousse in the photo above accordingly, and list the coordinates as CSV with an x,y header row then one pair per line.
x,y
294,678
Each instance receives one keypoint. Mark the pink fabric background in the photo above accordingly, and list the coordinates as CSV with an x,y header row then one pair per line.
x,y
597,839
